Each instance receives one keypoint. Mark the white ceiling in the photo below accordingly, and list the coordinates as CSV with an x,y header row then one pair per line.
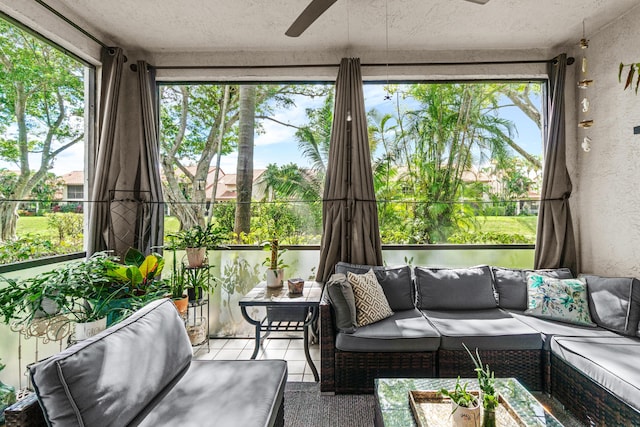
x,y
165,26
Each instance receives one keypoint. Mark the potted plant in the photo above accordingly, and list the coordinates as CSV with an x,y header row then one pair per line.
x,y
486,382
465,408
275,263
196,240
198,282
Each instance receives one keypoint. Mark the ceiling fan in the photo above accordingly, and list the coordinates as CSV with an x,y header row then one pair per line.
x,y
317,8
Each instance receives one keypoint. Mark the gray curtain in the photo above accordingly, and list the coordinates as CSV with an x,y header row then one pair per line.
x,y
150,235
112,65
349,212
555,242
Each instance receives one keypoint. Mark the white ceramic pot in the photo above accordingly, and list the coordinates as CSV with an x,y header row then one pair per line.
x,y
89,329
274,277
465,417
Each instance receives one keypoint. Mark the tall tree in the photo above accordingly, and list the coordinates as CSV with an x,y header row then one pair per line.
x,y
41,112
244,174
195,119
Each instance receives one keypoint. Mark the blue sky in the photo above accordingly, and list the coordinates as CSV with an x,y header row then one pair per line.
x,y
277,144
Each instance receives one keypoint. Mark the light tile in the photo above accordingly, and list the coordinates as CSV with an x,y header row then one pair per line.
x,y
227,354
218,342
295,355
203,355
308,378
277,343
274,353
296,366
238,344
248,352
296,345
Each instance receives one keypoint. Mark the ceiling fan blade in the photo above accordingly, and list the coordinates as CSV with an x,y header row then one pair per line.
x,y
308,16
479,1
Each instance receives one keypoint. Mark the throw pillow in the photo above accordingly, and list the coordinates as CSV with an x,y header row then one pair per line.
x,y
511,284
455,288
564,300
371,304
343,302
614,302
396,282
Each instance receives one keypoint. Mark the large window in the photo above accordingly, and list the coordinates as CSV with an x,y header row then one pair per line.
x,y
42,134
453,162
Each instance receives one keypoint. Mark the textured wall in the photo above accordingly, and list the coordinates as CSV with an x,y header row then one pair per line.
x,y
606,202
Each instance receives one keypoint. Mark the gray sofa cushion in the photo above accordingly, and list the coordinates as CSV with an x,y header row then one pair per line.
x,y
511,284
610,362
551,328
492,329
396,282
343,302
243,393
455,288
404,331
614,303
109,378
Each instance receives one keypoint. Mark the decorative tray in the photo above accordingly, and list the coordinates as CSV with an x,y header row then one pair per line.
x,y
430,409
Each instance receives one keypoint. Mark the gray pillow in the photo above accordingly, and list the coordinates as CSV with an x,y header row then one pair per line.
x,y
614,303
343,302
455,288
395,281
511,284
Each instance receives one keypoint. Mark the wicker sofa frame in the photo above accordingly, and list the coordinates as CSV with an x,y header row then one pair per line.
x,y
354,372
587,400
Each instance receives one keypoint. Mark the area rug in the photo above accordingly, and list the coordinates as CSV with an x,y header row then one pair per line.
x,y
305,406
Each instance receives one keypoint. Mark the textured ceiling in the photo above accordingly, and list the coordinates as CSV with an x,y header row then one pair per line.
x,y
259,25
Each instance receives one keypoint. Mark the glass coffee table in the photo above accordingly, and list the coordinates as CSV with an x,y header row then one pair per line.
x,y
393,409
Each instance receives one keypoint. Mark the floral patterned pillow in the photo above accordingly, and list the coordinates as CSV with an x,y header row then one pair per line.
x,y
564,300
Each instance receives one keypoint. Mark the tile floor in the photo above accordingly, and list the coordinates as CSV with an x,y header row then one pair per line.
x,y
289,349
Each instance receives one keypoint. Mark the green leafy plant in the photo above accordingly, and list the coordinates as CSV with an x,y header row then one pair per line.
x,y
460,395
138,270
634,69
275,260
210,237
486,381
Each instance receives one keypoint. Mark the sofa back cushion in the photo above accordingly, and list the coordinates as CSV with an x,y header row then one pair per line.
x,y
455,288
614,303
395,281
511,284
343,302
109,378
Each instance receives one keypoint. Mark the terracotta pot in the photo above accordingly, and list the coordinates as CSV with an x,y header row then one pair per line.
x,y
89,329
274,277
182,304
196,256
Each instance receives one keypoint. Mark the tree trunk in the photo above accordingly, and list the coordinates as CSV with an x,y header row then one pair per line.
x,y
244,172
8,220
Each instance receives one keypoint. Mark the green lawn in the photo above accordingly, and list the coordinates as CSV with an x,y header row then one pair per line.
x,y
523,225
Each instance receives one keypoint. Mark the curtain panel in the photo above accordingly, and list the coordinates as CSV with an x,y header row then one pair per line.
x,y
349,210
555,241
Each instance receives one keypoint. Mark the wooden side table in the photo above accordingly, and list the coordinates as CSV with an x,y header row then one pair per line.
x,y
285,312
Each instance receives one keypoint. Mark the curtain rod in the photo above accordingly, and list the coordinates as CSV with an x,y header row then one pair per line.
x,y
570,61
70,22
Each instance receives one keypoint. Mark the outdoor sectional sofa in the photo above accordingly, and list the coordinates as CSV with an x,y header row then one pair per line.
x,y
140,372
592,369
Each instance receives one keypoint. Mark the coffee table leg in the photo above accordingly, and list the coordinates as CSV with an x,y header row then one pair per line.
x,y
255,323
